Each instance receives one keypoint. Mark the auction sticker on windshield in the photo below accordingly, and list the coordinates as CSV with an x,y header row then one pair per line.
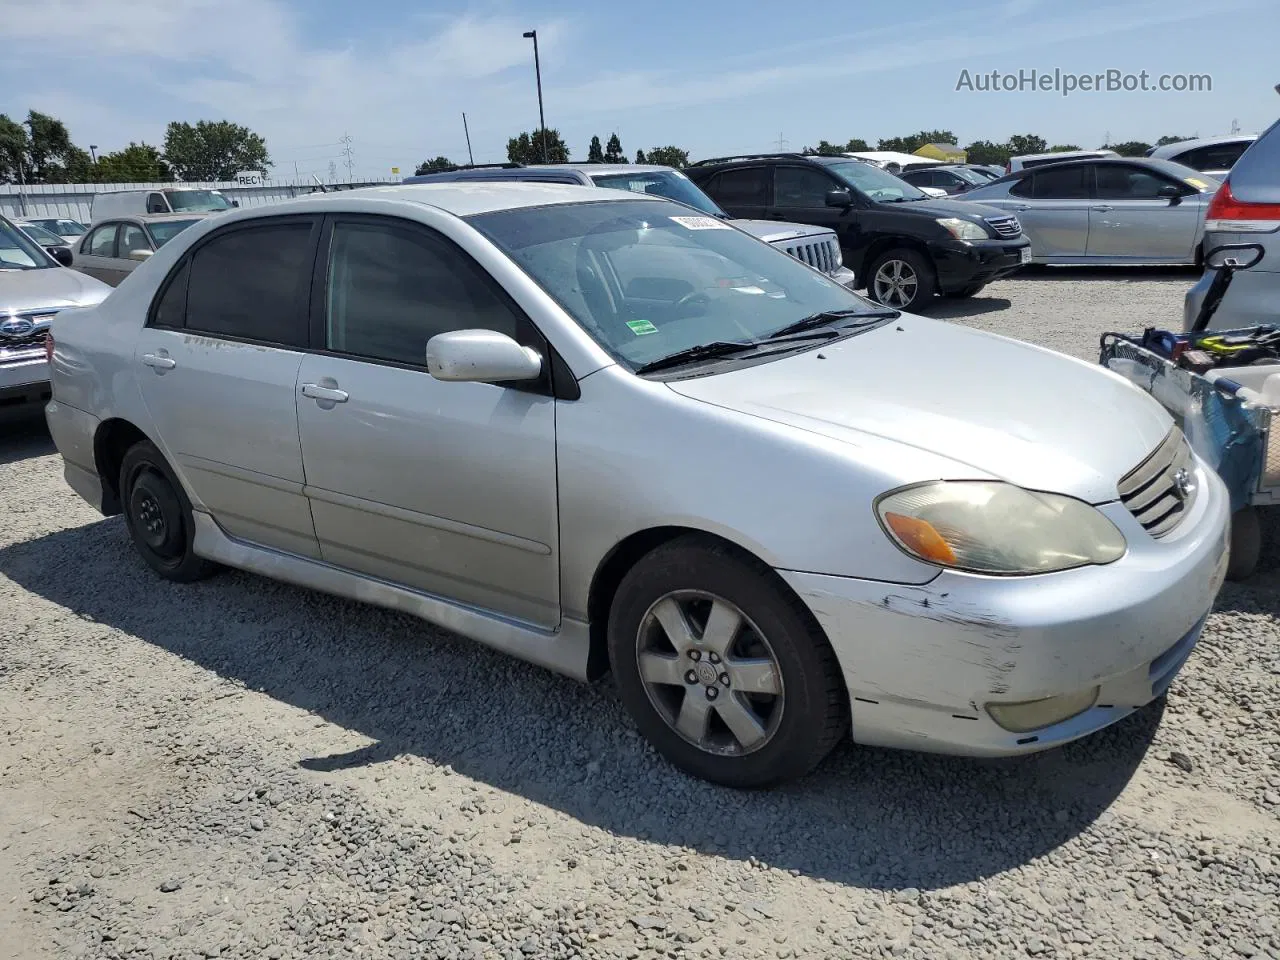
x,y
701,223
641,327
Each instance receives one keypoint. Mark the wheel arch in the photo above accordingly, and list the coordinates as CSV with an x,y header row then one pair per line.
x,y
626,553
111,441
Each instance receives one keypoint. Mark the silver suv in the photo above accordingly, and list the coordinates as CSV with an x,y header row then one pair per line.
x,y
1246,209
816,246
33,287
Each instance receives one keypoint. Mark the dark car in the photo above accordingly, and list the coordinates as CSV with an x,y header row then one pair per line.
x,y
903,246
953,178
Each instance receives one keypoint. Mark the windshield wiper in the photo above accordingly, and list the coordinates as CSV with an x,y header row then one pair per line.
x,y
824,317
702,351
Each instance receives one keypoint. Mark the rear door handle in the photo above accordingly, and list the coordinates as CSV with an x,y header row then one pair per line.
x,y
158,361
1020,207
1103,207
317,392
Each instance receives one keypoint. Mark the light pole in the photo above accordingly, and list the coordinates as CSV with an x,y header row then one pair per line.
x,y
93,151
537,68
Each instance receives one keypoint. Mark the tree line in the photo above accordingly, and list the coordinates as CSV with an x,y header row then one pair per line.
x,y
528,148
40,150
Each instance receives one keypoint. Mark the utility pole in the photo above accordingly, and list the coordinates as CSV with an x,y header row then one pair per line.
x,y
1235,127
470,156
782,143
346,149
93,152
537,67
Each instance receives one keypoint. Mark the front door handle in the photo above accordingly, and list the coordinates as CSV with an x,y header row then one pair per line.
x,y
317,391
1020,207
159,361
1103,207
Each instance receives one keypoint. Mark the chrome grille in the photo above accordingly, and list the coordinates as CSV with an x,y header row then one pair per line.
x,y
821,254
29,341
1159,491
1007,227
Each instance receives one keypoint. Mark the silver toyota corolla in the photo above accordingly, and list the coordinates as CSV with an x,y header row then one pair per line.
x,y
596,430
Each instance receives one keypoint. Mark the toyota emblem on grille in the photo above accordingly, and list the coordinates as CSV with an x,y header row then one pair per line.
x,y
1182,485
16,327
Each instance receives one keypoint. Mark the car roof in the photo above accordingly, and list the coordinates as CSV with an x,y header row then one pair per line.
x,y
462,198
151,217
602,168
1183,145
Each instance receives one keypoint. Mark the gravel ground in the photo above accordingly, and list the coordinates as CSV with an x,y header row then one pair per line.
x,y
242,769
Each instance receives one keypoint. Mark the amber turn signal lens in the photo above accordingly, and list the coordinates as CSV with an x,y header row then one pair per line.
x,y
920,538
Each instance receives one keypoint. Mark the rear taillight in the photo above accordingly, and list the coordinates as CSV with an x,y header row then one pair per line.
x,y
1236,216
48,346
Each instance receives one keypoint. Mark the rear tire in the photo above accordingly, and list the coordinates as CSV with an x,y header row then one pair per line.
x,y
902,279
158,515
724,671
972,290
1246,544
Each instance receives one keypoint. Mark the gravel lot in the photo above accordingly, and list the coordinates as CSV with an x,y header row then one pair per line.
x,y
243,769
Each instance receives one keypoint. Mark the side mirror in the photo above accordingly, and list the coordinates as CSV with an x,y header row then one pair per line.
x,y
61,254
839,198
1169,192
1238,256
235,203
140,255
480,356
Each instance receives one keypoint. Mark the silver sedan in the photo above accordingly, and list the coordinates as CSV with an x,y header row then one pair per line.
x,y
1112,211
598,431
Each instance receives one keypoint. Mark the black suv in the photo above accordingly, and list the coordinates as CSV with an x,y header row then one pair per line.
x,y
903,245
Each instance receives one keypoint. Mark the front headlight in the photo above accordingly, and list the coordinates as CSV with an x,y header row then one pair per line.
x,y
963,229
997,528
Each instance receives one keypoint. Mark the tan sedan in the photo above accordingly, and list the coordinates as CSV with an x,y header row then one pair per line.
x,y
111,249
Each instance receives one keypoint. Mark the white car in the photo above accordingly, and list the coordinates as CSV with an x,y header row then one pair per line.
x,y
596,430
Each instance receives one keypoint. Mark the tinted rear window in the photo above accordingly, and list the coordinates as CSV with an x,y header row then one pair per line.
x,y
1255,178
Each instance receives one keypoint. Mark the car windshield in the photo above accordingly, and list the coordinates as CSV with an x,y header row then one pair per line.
x,y
42,236
163,231
875,183
648,279
197,201
20,252
661,183
969,176
63,228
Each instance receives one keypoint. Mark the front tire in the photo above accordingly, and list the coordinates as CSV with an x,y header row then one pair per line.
x,y
902,279
1246,544
723,670
158,515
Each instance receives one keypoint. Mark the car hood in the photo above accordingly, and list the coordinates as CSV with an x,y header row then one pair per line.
x,y
949,207
22,290
775,231
994,407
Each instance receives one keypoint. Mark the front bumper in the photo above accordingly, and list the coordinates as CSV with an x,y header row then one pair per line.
x,y
24,376
1252,300
962,263
845,277
921,663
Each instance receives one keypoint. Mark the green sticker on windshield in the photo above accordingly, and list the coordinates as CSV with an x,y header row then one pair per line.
x,y
641,327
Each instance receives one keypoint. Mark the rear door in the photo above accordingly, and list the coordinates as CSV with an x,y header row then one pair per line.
x,y
217,364
447,488
1053,206
743,192
96,253
1130,220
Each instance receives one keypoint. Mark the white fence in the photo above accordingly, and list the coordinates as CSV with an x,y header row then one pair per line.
x,y
74,200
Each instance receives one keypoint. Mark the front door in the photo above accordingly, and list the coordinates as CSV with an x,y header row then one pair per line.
x,y
96,253
217,364
1129,219
1053,206
448,488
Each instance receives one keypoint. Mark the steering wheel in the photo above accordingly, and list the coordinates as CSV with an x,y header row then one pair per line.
x,y
691,298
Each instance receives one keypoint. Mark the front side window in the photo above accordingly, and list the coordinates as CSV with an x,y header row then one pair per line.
x,y
20,252
873,182
156,204
132,238
392,288
250,283
102,242
647,279
661,183
801,187
1119,182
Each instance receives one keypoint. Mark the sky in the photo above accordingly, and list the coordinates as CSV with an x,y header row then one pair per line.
x,y
710,76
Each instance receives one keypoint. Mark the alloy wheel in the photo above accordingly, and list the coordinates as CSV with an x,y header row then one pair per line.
x,y
895,283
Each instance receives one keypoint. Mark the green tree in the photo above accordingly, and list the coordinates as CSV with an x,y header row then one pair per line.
x,y
213,150
595,152
1024,143
14,146
1063,147
136,163
1165,141
984,151
434,165
1129,148
527,147
856,145
917,140
824,149
613,150
640,157
669,157
49,148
